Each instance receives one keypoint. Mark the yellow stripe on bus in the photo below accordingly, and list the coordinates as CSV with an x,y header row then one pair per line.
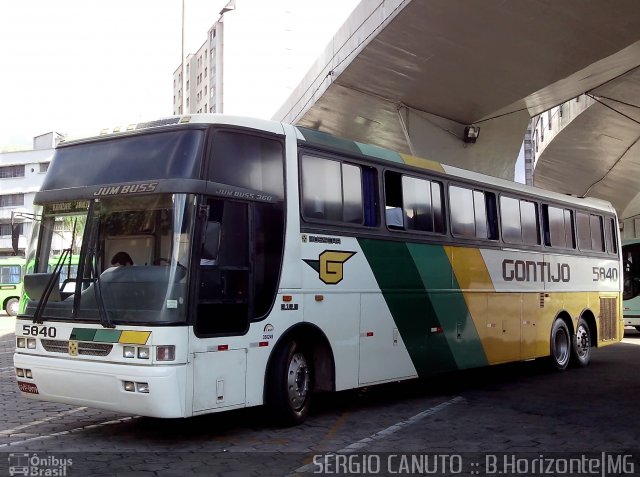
x,y
134,337
422,163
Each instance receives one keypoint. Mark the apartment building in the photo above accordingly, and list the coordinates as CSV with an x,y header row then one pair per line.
x,y
255,54
21,175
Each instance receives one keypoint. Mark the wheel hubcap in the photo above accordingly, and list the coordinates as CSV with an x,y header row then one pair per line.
x,y
13,308
561,347
298,380
582,341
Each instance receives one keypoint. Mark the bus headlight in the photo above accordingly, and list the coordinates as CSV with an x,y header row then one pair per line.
x,y
143,353
27,374
142,387
129,352
20,372
21,342
129,386
31,343
166,353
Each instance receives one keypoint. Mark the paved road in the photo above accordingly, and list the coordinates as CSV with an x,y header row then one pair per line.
x,y
519,408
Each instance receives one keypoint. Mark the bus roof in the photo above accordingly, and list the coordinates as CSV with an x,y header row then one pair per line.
x,y
318,138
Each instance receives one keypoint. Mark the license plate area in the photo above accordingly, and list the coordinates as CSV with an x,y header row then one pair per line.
x,y
28,387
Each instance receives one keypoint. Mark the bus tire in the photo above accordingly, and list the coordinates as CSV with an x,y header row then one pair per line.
x,y
290,384
581,345
560,345
11,307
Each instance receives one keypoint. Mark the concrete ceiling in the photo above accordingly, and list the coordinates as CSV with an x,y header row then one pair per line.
x,y
598,153
463,60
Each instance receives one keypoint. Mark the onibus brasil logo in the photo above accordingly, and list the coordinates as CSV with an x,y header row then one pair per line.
x,y
33,464
330,265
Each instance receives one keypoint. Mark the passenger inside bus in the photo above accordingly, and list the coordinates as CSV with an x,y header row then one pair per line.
x,y
120,259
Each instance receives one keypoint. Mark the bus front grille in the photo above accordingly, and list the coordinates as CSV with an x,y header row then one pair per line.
x,y
608,318
55,346
84,348
94,349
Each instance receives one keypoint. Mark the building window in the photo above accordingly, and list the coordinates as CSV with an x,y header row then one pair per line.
x,y
44,166
5,229
205,71
11,200
11,171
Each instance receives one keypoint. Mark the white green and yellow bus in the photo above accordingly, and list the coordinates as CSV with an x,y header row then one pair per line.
x,y
631,289
11,271
271,262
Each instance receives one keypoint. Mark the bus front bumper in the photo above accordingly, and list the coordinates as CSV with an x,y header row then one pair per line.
x,y
102,385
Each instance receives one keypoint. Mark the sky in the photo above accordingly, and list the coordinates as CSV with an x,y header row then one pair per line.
x,y
77,66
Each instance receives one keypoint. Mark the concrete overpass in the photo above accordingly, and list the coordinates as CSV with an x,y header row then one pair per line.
x,y
410,75
598,149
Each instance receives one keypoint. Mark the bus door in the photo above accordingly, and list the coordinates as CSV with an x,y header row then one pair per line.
x,y
223,307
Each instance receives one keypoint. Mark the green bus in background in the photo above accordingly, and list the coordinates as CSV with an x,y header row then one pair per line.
x,y
631,274
11,273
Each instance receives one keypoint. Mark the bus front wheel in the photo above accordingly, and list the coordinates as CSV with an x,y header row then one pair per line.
x,y
581,348
289,385
11,306
560,345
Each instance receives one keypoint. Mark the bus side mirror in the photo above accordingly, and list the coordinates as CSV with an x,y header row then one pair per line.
x,y
15,236
211,241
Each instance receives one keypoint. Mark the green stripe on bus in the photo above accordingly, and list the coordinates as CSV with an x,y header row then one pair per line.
x,y
449,304
82,334
325,139
380,153
107,336
411,306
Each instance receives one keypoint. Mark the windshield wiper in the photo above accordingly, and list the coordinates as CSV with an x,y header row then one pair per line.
x,y
105,320
92,252
52,282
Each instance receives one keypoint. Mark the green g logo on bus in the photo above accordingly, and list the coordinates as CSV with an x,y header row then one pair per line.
x,y
330,266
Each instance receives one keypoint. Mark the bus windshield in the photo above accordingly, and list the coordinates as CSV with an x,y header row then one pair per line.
x,y
152,232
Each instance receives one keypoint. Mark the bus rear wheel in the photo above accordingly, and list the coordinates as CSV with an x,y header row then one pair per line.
x,y
290,384
581,346
560,345
11,306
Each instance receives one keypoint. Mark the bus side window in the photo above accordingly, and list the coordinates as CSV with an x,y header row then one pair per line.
x,y
394,214
223,301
